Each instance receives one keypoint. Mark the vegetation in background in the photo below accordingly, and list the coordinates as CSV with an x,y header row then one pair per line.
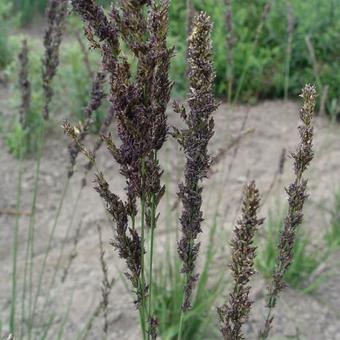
x,y
332,235
272,55
6,22
267,61
28,9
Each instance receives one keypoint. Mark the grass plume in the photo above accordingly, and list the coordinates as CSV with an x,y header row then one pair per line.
x,y
56,13
25,84
235,312
296,198
194,141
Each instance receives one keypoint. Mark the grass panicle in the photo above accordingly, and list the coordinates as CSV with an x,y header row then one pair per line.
x,y
236,311
194,141
296,198
56,13
139,103
24,84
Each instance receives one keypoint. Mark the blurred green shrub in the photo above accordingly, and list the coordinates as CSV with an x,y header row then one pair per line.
x,y
27,9
265,62
259,69
5,23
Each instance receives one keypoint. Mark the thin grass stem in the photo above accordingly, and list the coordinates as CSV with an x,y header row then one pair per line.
x,y
48,249
143,306
15,251
153,226
32,229
57,266
29,253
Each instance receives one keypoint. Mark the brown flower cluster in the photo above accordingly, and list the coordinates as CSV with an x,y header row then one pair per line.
x,y
296,198
138,103
25,84
56,13
236,311
194,141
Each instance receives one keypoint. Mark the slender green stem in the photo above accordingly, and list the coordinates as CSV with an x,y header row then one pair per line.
x,y
15,251
29,254
143,305
69,227
48,326
31,237
63,323
140,310
57,266
153,227
181,324
49,245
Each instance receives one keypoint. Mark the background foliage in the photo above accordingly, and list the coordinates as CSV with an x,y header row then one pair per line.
x,y
265,61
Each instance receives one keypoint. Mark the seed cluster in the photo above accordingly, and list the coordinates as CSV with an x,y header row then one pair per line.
x,y
296,198
194,141
56,13
138,103
25,84
235,313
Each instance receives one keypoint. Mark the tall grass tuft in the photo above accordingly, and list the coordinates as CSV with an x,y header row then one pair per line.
x,y
139,104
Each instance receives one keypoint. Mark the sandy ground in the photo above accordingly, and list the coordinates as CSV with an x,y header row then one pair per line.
x,y
272,127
